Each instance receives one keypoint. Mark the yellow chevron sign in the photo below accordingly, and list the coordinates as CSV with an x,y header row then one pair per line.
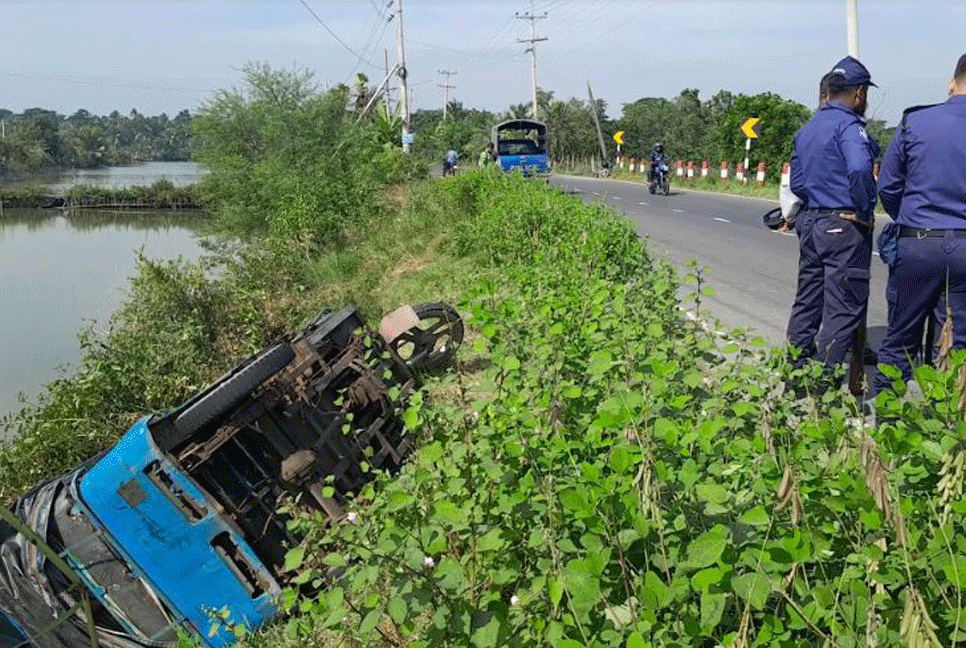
x,y
751,127
619,137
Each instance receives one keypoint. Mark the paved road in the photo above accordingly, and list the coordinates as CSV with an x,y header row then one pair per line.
x,y
753,270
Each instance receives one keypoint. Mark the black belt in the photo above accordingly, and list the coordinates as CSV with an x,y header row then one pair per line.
x,y
930,233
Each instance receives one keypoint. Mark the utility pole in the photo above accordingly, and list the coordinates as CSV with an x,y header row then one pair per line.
x,y
385,54
403,73
533,40
852,20
600,136
446,86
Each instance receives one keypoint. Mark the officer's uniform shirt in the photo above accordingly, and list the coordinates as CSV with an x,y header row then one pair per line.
x,y
832,164
923,177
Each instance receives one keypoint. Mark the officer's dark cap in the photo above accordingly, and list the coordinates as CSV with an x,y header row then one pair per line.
x,y
849,73
960,68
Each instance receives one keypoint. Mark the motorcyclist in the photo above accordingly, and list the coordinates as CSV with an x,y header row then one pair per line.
x,y
657,158
450,161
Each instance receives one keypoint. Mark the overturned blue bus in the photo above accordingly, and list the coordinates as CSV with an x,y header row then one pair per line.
x,y
177,529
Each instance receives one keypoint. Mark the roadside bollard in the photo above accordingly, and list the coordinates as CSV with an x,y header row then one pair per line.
x,y
633,164
740,172
704,168
690,169
680,168
724,169
875,171
760,177
786,174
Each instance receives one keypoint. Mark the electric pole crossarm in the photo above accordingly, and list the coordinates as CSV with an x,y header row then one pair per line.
x,y
533,40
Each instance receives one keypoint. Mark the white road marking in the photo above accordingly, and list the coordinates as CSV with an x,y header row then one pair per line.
x,y
617,198
723,220
642,203
787,233
680,211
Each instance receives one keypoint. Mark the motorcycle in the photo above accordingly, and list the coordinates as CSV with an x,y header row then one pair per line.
x,y
660,182
450,170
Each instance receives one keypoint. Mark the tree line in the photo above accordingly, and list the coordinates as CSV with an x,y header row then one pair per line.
x,y
691,128
37,139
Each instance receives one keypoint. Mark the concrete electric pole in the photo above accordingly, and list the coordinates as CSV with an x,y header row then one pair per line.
x,y
447,87
533,40
852,19
403,73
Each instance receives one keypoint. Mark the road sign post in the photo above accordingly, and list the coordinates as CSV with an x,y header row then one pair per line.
x,y
751,128
619,139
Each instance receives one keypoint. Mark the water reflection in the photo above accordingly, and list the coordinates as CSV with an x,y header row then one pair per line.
x,y
180,174
56,273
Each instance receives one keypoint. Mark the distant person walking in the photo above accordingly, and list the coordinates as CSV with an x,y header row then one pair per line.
x,y
487,156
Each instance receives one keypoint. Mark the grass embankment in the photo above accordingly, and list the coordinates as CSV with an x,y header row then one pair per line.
x,y
161,195
608,479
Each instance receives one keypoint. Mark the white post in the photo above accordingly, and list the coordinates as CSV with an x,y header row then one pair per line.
x,y
852,19
747,168
403,73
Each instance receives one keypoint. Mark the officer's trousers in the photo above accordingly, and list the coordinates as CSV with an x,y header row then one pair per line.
x,y
833,287
917,280
806,316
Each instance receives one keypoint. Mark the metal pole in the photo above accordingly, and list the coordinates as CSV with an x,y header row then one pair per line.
x,y
533,40
403,73
852,19
385,54
533,59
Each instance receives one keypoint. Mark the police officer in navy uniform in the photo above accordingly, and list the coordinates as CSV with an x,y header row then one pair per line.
x,y
923,187
831,173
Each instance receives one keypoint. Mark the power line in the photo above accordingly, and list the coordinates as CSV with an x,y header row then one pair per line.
x,y
124,86
336,37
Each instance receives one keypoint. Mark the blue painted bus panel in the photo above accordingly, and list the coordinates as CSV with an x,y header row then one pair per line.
x,y
527,164
191,556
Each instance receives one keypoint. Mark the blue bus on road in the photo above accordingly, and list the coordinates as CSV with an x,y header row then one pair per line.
x,y
521,144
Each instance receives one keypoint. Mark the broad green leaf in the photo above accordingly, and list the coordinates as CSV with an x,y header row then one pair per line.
x,y
370,622
555,591
570,643
411,418
334,560
294,559
576,501
712,607
450,513
636,641
620,459
755,517
753,588
400,499
704,579
707,548
491,541
712,493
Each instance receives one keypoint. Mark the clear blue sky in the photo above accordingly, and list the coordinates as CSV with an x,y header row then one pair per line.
x,y
167,55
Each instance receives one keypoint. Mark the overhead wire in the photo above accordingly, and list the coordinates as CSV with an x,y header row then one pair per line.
x,y
336,37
